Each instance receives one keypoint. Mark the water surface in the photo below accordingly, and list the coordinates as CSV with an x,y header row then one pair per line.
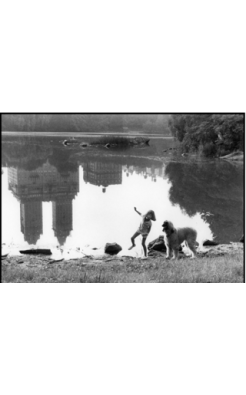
x,y
72,197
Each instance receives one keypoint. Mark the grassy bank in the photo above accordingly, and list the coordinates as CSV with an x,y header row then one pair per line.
x,y
222,267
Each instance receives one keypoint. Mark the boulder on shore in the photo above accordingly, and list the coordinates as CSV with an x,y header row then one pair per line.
x,y
112,248
37,251
210,243
157,244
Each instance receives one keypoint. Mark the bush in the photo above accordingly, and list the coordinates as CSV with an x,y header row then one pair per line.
x,y
209,149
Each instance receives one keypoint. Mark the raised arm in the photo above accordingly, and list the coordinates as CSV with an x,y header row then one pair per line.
x,y
137,211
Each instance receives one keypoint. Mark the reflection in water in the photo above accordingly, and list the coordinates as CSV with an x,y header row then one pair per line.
x,y
31,220
37,175
102,174
152,172
212,188
62,211
41,172
44,184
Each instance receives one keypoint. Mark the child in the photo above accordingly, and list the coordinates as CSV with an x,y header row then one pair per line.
x,y
143,229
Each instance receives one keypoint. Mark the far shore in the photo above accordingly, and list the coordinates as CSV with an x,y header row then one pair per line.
x,y
88,134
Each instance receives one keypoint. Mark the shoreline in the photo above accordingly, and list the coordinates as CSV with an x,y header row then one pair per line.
x,y
87,134
222,263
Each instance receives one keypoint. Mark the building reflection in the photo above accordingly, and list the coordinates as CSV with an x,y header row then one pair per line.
x,y
62,211
44,184
31,217
48,184
102,174
108,173
147,172
41,172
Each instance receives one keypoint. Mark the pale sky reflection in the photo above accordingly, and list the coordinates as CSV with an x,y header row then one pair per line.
x,y
100,217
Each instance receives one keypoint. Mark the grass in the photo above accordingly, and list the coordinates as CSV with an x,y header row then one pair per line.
x,y
220,269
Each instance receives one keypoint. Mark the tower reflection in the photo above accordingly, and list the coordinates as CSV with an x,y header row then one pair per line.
x,y
44,184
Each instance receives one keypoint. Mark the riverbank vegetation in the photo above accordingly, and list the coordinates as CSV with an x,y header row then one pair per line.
x,y
211,135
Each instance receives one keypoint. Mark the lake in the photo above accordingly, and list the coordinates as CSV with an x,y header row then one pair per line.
x,y
73,198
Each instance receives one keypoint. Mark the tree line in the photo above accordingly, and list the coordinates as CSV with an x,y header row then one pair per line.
x,y
209,134
151,123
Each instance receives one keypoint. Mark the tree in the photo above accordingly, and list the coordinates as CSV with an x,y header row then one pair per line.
x,y
211,134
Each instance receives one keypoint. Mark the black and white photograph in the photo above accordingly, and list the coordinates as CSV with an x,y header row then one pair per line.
x,y
123,198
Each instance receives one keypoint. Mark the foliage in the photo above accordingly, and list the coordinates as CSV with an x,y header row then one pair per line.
x,y
209,149
217,134
124,123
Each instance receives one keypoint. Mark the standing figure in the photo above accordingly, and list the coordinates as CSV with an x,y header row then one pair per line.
x,y
143,229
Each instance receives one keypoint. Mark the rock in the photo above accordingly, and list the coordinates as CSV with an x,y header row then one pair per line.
x,y
34,251
157,244
112,248
210,243
56,260
242,239
70,142
84,145
139,140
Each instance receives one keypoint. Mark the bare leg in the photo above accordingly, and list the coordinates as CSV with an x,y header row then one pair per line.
x,y
136,234
144,246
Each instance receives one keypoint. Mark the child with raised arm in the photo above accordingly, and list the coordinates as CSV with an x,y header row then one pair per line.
x,y
143,229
